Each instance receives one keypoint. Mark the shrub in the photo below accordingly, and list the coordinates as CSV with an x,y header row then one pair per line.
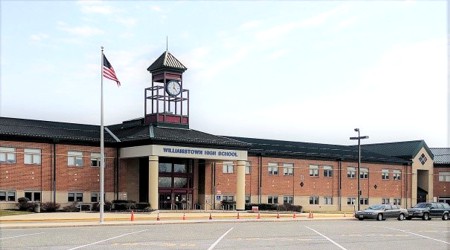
x,y
24,204
71,208
107,207
50,206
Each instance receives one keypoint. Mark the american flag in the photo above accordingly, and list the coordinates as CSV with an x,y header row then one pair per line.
x,y
108,71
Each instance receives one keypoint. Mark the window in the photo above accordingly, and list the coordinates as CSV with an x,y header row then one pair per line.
x,y
74,158
95,197
273,168
272,200
33,195
328,200
95,159
228,167
313,170
351,201
397,175
228,198
7,155
247,167
385,174
351,172
7,196
364,201
75,197
288,199
247,199
364,173
314,200
288,169
385,201
327,171
32,156
444,176
397,201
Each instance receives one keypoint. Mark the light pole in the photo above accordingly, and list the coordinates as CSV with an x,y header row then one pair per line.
x,y
359,162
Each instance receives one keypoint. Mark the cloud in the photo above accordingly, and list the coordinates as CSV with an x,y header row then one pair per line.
x,y
81,30
250,25
38,37
156,8
95,7
128,22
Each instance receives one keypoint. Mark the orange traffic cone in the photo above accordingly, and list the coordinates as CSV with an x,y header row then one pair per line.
x,y
294,216
237,216
157,217
132,215
309,215
210,217
278,215
259,216
184,216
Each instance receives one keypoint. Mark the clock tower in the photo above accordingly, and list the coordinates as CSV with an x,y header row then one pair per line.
x,y
166,101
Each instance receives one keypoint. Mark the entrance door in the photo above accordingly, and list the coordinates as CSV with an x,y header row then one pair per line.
x,y
165,201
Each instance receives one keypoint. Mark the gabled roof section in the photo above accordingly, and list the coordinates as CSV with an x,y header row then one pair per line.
x,y
139,134
405,150
441,155
308,150
38,130
167,61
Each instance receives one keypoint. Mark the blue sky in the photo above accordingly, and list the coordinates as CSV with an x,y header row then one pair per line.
x,y
291,70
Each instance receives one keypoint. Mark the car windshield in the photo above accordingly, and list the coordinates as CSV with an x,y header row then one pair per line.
x,y
421,205
376,207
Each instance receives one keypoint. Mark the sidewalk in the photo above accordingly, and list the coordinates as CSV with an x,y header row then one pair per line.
x,y
71,219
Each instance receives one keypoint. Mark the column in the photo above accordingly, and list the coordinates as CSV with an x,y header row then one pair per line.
x,y
153,174
240,186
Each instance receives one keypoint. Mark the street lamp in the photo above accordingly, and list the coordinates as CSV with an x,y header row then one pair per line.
x,y
359,162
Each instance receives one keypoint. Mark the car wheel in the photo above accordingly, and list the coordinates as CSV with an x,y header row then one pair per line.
x,y
380,217
360,218
425,216
445,217
401,217
408,218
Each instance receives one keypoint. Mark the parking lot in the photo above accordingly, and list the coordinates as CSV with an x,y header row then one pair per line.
x,y
325,234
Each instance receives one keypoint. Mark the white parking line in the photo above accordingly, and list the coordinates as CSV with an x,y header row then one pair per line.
x,y
22,235
219,239
122,235
332,241
423,236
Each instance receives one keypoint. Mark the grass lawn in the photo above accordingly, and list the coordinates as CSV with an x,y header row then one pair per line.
x,y
12,212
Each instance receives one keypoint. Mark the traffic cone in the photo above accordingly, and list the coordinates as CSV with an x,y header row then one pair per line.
x,y
210,217
278,215
184,216
132,215
310,214
237,216
294,216
157,217
259,216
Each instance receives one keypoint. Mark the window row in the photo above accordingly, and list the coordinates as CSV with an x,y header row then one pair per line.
x,y
31,155
365,201
34,157
228,167
444,176
11,195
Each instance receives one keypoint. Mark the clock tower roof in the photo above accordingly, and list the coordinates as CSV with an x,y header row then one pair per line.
x,y
167,61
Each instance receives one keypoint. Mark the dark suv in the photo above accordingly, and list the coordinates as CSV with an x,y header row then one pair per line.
x,y
427,210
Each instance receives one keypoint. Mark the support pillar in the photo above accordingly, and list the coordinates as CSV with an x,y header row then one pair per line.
x,y
240,186
153,174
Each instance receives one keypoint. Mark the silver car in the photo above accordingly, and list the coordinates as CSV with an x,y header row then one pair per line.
x,y
382,212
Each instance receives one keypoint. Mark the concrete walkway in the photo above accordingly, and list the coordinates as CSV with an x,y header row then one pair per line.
x,y
70,219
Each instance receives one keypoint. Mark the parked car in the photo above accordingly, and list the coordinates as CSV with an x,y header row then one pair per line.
x,y
382,212
427,210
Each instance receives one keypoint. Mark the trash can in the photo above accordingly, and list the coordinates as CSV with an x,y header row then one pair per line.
x,y
37,208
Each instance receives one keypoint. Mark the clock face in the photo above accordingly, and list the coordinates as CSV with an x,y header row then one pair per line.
x,y
173,88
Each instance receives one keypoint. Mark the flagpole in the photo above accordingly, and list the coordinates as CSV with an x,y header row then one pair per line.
x,y
102,146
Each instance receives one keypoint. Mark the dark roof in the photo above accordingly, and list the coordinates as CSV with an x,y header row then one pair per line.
x,y
277,148
26,129
441,155
136,132
167,61
405,150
